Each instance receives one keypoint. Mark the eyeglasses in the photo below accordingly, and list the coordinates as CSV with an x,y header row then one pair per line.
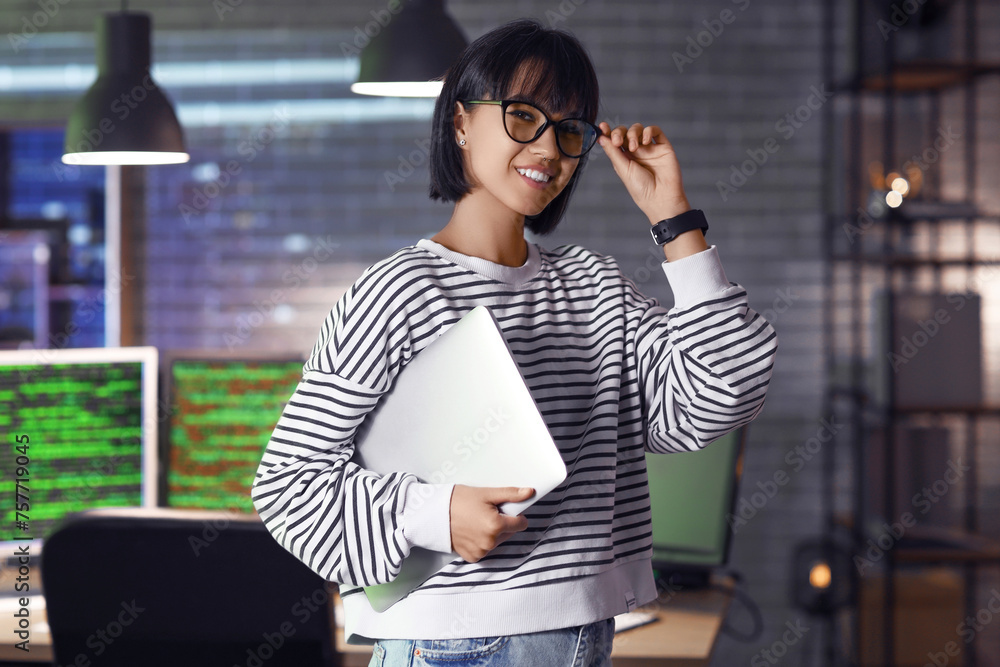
x,y
525,123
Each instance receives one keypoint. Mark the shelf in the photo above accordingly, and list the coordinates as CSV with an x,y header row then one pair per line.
x,y
928,76
909,260
921,210
915,210
888,111
869,406
929,544
923,544
979,410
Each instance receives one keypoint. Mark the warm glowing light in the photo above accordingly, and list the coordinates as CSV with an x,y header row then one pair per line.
x,y
893,199
819,575
900,185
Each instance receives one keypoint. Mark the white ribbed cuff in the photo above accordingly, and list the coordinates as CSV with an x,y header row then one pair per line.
x,y
696,278
427,516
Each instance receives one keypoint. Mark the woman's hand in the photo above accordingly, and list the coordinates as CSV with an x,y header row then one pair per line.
x,y
645,161
477,525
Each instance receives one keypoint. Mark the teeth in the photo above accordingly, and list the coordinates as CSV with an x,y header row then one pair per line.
x,y
534,175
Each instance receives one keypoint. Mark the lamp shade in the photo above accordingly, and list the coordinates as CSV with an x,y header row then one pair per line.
x,y
409,55
124,117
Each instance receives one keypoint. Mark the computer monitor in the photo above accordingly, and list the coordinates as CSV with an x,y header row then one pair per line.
x,y
223,410
691,494
82,427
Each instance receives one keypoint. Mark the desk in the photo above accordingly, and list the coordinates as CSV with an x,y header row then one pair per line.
x,y
683,636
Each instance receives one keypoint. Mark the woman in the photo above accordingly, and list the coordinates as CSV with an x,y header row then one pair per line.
x,y
611,370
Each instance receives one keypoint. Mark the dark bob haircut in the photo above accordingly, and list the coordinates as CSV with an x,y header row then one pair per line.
x,y
558,76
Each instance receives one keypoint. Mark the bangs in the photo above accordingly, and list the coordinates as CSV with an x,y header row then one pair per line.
x,y
548,85
541,68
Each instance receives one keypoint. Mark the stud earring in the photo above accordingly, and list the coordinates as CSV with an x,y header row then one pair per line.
x,y
461,142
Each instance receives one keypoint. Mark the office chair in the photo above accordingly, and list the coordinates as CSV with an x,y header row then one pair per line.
x,y
161,587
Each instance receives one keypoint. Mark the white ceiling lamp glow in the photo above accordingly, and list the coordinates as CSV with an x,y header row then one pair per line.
x,y
124,118
409,55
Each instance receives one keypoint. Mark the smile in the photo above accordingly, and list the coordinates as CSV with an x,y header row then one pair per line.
x,y
534,178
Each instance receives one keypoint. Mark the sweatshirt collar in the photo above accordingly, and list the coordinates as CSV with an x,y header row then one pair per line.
x,y
511,275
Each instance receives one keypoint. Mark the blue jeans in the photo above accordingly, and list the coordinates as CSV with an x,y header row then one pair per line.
x,y
580,646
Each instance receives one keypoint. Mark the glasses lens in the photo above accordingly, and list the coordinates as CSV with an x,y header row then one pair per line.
x,y
523,121
575,137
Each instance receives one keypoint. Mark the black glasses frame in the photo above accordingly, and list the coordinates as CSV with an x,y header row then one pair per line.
x,y
548,121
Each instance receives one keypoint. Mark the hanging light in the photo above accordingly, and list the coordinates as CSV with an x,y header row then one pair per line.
x,y
410,53
124,118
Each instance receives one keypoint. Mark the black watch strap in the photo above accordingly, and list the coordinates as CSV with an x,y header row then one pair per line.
x,y
667,230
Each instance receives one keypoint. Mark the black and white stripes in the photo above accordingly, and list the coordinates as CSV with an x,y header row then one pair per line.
x,y
612,372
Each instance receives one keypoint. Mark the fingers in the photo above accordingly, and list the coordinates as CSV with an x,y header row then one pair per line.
x,y
477,524
619,160
509,525
505,494
634,136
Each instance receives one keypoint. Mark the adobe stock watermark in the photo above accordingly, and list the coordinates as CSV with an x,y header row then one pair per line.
x,y
562,13
248,149
121,108
796,459
652,264
786,127
967,631
921,162
696,44
781,304
85,312
223,7
302,611
778,649
93,478
464,449
210,531
898,17
105,636
294,277
409,163
924,500
910,346
364,34
31,25
666,591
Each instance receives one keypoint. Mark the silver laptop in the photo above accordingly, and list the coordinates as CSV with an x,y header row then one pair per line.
x,y
459,412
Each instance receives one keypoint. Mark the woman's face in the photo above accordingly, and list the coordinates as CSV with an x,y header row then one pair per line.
x,y
500,167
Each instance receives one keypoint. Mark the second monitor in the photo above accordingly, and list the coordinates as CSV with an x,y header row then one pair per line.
x,y
223,410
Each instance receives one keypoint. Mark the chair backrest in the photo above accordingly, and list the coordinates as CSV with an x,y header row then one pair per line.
x,y
164,587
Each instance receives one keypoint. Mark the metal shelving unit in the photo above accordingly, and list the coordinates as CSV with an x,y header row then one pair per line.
x,y
888,109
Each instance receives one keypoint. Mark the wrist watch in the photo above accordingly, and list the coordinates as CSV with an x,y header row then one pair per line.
x,y
667,230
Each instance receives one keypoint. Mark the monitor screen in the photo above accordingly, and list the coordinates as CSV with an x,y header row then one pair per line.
x,y
691,494
81,433
222,414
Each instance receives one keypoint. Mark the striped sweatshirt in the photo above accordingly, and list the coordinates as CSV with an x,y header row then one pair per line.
x,y
614,375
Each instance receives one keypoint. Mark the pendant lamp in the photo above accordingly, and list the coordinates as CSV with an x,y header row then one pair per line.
x,y
410,50
124,118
